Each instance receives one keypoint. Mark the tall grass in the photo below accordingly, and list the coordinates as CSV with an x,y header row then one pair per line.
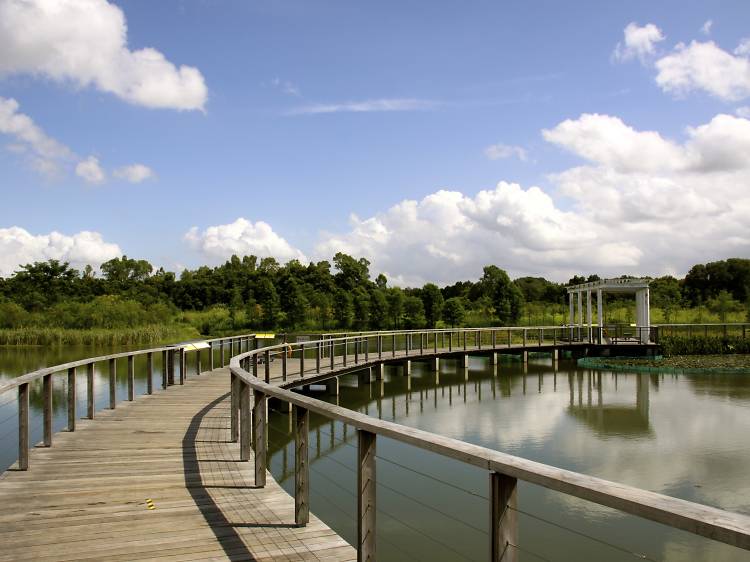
x,y
151,334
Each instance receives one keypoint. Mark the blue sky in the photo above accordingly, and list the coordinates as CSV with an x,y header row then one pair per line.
x,y
302,114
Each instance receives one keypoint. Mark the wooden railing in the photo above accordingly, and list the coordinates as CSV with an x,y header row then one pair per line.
x,y
174,363
249,427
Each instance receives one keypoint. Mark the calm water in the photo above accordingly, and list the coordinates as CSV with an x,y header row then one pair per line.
x,y
15,361
685,436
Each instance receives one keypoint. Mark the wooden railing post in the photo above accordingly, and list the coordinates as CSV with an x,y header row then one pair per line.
x,y
259,435
345,355
170,372
333,354
380,346
245,427
164,369
267,366
393,345
197,361
211,355
112,384
367,348
366,496
503,518
90,395
301,466
301,360
23,426
149,373
221,352
72,399
47,390
494,339
234,407
284,352
317,357
131,378
183,365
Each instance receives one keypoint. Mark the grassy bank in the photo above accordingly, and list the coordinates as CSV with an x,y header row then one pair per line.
x,y
676,362
141,335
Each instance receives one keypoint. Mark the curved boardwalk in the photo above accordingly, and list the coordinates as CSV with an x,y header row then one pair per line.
x,y
86,497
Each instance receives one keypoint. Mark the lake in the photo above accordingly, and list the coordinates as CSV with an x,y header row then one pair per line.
x,y
681,435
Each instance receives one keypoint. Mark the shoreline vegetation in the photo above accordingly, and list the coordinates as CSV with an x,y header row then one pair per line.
x,y
739,363
141,335
127,302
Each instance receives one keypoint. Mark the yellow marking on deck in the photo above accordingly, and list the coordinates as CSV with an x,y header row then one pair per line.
x,y
150,504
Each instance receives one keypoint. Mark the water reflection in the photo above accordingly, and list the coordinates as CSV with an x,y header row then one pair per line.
x,y
613,419
674,434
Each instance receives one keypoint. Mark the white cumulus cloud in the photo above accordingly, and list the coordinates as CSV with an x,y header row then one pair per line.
x,y
640,204
638,42
707,67
19,247
44,151
135,173
242,237
501,151
90,170
85,42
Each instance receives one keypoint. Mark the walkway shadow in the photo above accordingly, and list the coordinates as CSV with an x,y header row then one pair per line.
x,y
224,531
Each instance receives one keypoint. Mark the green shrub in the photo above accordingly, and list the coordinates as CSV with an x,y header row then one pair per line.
x,y
703,345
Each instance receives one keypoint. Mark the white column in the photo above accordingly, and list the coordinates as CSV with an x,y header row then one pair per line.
x,y
600,313
580,313
588,313
571,306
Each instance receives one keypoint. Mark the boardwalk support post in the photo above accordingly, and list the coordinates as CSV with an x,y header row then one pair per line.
x,y
112,383
47,389
301,466
131,378
365,496
245,428
234,407
23,426
90,395
149,373
72,399
259,435
503,518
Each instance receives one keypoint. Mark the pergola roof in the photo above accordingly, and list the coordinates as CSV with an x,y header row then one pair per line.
x,y
611,286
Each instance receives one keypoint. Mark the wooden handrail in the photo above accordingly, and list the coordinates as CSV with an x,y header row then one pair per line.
x,y
710,522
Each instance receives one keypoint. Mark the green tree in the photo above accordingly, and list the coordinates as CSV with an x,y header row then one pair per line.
x,y
723,304
506,297
378,309
395,299
413,313
454,311
432,299
343,311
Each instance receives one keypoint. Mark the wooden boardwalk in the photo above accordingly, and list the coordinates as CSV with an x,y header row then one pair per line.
x,y
85,498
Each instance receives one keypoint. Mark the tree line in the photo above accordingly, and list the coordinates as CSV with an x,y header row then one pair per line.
x,y
257,293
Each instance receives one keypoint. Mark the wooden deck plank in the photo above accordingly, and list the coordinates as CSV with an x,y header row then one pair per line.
x,y
85,497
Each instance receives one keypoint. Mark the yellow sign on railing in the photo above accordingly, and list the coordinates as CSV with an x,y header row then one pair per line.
x,y
265,336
